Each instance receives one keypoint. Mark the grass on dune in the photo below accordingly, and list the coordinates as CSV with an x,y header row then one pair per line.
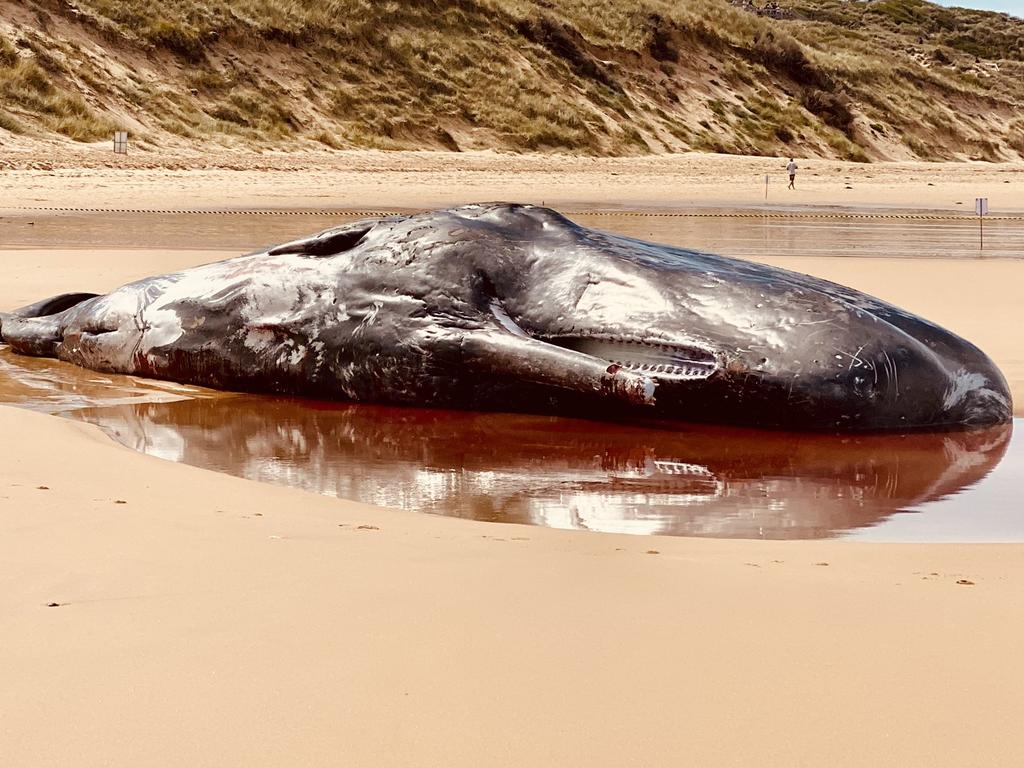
x,y
587,76
26,87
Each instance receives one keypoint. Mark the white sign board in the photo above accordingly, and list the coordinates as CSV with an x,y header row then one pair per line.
x,y
121,142
981,205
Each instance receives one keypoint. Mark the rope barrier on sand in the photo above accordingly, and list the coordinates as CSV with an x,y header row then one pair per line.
x,y
964,217
202,212
777,215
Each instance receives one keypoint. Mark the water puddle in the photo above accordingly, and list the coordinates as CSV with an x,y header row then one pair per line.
x,y
566,473
51,386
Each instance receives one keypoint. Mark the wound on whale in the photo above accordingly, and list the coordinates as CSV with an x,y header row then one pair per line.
x,y
514,307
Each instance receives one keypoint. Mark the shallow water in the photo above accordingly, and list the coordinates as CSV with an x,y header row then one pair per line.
x,y
564,473
567,473
744,233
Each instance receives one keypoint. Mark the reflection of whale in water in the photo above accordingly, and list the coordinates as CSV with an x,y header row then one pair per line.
x,y
565,473
51,386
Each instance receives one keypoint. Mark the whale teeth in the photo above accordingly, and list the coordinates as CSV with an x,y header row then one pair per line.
x,y
655,358
664,369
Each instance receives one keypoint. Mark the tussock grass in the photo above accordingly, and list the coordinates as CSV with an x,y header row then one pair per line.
x,y
27,87
9,123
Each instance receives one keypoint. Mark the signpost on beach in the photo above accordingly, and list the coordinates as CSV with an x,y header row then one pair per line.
x,y
981,208
766,186
121,142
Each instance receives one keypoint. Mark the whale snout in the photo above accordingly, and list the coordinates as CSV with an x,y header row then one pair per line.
x,y
956,382
934,380
873,368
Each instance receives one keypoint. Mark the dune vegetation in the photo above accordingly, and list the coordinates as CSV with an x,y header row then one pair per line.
x,y
847,79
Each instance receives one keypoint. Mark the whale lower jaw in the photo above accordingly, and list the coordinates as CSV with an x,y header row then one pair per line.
x,y
650,357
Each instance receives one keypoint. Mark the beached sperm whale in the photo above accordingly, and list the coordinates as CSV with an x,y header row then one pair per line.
x,y
513,307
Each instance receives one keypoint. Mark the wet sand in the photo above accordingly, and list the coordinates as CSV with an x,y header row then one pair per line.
x,y
740,232
674,480
276,627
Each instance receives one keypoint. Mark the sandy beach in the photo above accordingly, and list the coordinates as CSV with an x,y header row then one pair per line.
x,y
211,621
38,175
203,620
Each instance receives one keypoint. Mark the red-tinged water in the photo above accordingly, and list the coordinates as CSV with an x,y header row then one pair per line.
x,y
677,480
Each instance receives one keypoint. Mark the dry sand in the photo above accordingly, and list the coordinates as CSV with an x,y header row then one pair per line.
x,y
210,621
92,177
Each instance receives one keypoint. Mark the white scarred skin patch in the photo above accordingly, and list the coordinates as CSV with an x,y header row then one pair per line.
x,y
962,384
648,390
614,300
163,327
259,339
965,383
269,303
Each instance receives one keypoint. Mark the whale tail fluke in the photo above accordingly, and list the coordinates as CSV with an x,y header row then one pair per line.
x,y
23,325
34,336
53,305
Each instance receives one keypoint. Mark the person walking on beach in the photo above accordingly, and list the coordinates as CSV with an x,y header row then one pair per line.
x,y
792,173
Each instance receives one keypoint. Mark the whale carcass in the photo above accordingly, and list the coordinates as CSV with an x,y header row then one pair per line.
x,y
514,307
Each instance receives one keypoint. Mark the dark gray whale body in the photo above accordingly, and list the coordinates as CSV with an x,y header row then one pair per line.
x,y
513,307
